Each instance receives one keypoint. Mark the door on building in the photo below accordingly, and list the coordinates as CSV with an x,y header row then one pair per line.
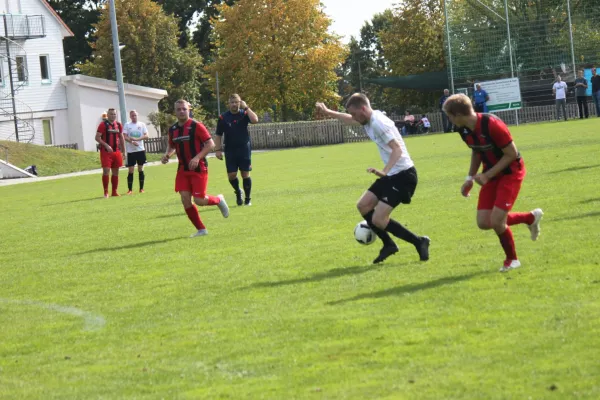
x,y
47,125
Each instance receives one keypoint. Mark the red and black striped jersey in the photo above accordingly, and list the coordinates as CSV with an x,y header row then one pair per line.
x,y
111,134
488,138
188,140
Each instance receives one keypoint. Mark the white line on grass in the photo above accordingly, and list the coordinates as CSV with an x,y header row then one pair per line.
x,y
92,322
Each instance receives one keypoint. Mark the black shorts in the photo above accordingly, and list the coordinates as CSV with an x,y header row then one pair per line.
x,y
138,157
396,189
238,159
479,107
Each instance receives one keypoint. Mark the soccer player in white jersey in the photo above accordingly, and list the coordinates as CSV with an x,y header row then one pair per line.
x,y
135,133
396,182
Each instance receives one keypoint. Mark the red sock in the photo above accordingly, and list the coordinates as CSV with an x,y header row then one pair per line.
x,y
105,183
193,215
213,200
508,244
515,218
114,180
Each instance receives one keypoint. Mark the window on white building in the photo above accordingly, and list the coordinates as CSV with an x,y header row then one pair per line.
x,y
21,68
45,68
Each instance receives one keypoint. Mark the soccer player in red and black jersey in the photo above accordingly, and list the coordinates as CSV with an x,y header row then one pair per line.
x,y
112,147
192,142
503,173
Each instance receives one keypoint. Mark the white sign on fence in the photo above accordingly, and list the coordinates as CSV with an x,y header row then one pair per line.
x,y
505,94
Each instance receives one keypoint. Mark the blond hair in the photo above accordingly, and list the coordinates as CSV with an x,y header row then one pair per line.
x,y
458,104
358,100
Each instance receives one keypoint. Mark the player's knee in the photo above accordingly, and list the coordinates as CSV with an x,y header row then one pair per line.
x,y
498,225
363,207
186,202
201,201
380,221
483,224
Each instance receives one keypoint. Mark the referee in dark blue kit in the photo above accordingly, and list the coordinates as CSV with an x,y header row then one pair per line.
x,y
233,125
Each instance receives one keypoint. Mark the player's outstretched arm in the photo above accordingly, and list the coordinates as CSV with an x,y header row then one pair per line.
x,y
343,117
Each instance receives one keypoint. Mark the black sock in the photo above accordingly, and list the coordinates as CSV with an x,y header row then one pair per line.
x,y
142,178
130,181
396,229
235,183
383,235
247,182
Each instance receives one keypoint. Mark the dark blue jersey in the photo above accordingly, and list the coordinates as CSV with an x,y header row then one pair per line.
x,y
234,128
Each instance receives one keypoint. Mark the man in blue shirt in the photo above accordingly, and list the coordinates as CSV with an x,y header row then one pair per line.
x,y
480,97
233,137
446,124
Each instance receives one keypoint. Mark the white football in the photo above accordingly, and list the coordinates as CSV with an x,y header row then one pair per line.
x,y
363,234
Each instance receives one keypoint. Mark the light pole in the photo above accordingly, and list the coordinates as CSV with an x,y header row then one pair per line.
x,y
117,54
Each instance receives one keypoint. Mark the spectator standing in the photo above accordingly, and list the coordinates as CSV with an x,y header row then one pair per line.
x,y
559,89
446,125
596,90
480,98
581,86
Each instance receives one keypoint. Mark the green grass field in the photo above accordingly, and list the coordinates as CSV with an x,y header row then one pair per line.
x,y
51,160
109,298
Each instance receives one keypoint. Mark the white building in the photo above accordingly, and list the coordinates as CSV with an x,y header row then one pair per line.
x,y
38,102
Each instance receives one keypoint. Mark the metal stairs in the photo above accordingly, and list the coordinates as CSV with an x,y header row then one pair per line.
x,y
16,117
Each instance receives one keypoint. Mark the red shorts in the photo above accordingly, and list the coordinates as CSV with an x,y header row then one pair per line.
x,y
193,182
111,160
501,192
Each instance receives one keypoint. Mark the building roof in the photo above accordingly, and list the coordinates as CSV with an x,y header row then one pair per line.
x,y
111,86
58,18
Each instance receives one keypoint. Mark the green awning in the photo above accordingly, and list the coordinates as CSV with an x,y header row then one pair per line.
x,y
425,81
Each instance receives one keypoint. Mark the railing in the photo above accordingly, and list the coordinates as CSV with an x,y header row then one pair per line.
x,y
156,145
14,50
72,146
20,113
10,107
22,26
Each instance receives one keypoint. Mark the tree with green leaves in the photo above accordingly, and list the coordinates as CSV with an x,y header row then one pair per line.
x,y
152,56
276,53
413,43
80,16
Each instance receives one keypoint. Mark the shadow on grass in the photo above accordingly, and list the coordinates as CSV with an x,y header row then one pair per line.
x,y
130,246
332,273
410,288
590,200
201,210
574,169
74,201
580,216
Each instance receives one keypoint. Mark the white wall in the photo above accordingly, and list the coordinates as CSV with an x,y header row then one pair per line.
x,y
89,97
48,95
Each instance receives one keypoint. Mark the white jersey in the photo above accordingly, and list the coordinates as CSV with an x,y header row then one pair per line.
x,y
561,90
382,130
426,122
135,131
